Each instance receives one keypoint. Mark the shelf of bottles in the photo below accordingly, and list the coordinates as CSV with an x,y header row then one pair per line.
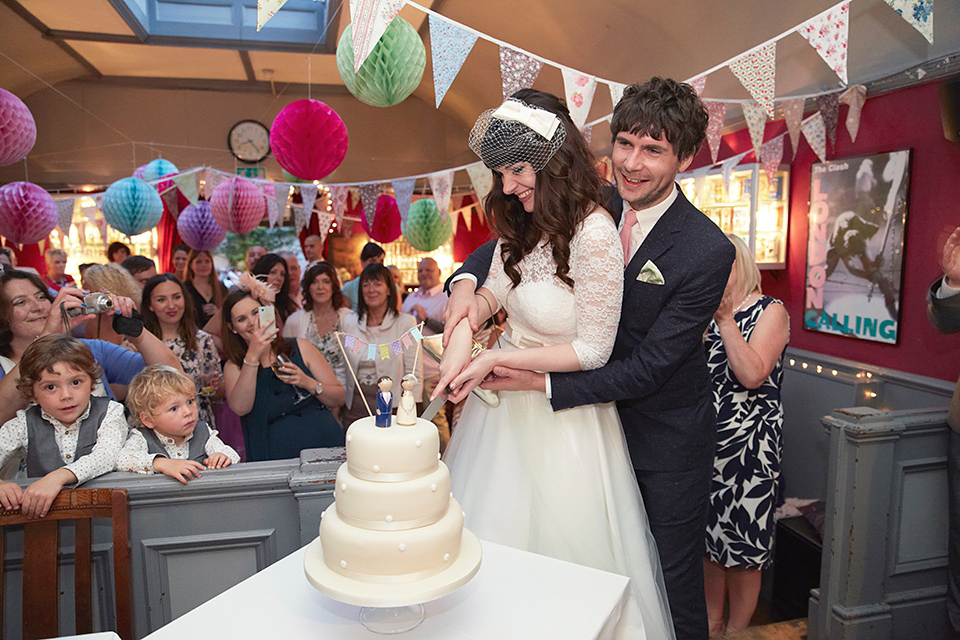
x,y
400,253
754,208
86,242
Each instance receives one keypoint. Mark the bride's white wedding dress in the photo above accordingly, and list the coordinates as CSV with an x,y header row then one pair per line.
x,y
561,483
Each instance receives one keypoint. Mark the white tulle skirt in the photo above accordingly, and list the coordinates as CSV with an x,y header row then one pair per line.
x,y
560,484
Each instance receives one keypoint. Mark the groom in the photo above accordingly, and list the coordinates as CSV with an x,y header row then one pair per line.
x,y
676,266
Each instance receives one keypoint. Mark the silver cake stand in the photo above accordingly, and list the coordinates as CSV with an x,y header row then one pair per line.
x,y
392,608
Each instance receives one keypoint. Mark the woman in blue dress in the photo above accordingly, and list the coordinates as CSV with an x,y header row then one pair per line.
x,y
745,344
282,389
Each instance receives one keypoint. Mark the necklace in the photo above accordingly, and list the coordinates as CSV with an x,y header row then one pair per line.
x,y
740,306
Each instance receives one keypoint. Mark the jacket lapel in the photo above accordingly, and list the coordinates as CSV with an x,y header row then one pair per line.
x,y
658,241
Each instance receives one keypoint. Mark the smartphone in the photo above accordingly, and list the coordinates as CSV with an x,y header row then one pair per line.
x,y
267,315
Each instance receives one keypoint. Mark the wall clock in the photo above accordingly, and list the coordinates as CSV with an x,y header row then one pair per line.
x,y
249,141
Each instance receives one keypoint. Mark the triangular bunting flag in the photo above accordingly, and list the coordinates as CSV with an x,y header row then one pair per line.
x,y
793,114
717,111
187,184
323,223
213,179
270,191
727,169
699,84
455,220
578,90
814,132
308,192
370,18
616,92
756,122
65,214
402,193
587,134
450,45
468,217
855,96
700,181
771,153
441,184
266,9
919,13
830,110
280,198
369,193
517,70
482,180
338,199
756,72
827,33
172,202
299,218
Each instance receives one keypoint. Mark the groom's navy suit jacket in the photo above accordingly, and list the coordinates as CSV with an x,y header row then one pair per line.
x,y
657,373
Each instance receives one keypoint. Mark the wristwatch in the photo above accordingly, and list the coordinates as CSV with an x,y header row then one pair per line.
x,y
318,390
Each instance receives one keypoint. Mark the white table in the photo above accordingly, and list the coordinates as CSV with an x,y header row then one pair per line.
x,y
515,594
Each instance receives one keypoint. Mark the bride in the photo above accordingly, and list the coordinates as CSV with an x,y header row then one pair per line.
x,y
556,483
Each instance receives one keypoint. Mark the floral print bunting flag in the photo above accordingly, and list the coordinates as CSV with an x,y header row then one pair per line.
x,y
830,110
919,13
855,96
450,45
517,70
717,111
403,193
756,122
441,183
815,133
368,201
578,90
370,18
828,33
793,114
755,71
771,154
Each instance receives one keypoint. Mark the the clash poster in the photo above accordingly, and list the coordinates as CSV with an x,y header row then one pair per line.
x,y
858,211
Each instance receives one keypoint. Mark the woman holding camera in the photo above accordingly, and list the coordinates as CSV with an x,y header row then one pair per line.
x,y
282,389
117,280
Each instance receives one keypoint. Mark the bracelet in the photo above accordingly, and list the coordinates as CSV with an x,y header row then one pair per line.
x,y
251,364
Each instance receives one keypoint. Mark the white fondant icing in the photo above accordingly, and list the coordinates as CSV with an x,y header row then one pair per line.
x,y
411,503
391,450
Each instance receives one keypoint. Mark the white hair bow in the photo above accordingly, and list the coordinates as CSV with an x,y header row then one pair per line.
x,y
540,120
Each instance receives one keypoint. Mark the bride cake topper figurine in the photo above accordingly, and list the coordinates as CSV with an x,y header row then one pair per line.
x,y
384,401
407,410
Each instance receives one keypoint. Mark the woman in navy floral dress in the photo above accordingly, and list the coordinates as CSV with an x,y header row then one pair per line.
x,y
745,345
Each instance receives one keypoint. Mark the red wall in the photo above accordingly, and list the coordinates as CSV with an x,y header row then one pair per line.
x,y
905,119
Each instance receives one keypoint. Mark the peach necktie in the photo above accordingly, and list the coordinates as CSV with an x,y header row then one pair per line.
x,y
629,219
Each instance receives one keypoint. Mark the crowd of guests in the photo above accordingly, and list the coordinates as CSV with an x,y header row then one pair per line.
x,y
178,372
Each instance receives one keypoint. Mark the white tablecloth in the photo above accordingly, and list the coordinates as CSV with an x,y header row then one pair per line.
x,y
515,594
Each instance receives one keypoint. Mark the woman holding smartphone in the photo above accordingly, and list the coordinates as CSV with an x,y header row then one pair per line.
x,y
282,389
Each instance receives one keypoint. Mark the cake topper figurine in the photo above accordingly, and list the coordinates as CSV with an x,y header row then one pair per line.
x,y
407,410
384,401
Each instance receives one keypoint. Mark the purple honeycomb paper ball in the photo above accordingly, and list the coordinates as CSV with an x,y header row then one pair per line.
x,y
197,227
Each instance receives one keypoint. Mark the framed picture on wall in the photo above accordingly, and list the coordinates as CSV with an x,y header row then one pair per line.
x,y
858,213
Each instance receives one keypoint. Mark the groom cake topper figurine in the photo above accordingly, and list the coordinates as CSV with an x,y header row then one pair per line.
x,y
384,401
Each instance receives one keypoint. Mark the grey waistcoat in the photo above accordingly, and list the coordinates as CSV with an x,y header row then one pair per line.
x,y
197,444
43,454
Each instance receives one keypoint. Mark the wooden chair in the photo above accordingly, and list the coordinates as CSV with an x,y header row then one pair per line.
x,y
40,548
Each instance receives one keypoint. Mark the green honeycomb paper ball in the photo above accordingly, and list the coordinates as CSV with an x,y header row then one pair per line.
x,y
392,70
425,229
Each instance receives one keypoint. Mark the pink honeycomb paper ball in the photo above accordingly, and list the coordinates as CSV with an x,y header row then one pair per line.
x,y
386,221
238,205
18,131
27,213
308,139
198,229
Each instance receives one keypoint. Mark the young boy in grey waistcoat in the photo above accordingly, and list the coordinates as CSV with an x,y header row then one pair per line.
x,y
68,435
171,439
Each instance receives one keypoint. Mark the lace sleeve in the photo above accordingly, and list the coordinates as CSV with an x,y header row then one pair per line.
x,y
596,266
497,281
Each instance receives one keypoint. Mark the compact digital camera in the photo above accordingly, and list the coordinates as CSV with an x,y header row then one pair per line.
x,y
93,303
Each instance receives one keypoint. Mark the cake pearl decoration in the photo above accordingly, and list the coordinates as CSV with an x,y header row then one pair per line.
x,y
419,442
343,564
402,547
343,486
389,518
446,557
376,468
433,487
349,437
438,456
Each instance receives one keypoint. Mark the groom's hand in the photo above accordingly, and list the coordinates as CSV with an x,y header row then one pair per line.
x,y
507,379
462,304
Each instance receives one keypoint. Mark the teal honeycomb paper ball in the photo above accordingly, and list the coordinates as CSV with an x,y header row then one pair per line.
x,y
132,206
392,70
425,229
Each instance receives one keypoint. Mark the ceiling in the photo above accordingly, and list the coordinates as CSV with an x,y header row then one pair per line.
x,y
108,94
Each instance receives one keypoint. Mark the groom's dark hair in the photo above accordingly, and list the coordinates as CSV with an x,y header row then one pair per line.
x,y
663,107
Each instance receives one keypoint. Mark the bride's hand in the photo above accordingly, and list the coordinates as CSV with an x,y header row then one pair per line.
x,y
473,374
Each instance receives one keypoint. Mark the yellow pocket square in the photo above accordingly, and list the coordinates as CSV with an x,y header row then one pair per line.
x,y
650,274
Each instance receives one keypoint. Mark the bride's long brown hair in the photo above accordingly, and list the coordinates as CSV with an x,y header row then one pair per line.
x,y
567,189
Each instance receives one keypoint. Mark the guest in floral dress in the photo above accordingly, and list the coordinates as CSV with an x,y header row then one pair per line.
x,y
321,316
745,345
168,314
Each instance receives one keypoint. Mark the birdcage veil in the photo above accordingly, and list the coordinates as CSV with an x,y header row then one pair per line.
x,y
517,132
